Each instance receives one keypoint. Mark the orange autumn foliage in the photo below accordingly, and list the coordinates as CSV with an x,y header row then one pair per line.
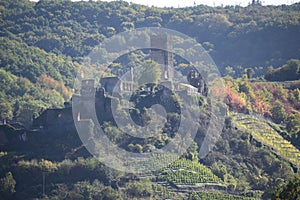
x,y
234,100
48,82
261,107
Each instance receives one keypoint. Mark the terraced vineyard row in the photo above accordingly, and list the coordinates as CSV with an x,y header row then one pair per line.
x,y
156,162
261,131
217,196
186,172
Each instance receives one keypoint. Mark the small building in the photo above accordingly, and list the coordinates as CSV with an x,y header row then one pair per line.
x,y
191,90
115,84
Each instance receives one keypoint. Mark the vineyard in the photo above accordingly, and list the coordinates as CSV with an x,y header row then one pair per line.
x,y
216,196
145,166
263,131
186,172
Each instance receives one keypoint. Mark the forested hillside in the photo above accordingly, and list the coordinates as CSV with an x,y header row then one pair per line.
x,y
51,37
249,37
256,49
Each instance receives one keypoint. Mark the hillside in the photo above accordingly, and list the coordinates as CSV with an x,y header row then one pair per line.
x,y
264,133
52,38
235,36
241,163
256,49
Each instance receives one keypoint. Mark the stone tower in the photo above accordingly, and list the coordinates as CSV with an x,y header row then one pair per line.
x,y
159,44
87,88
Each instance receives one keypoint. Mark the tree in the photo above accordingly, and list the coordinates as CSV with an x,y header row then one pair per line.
x,y
110,194
288,72
7,186
293,123
138,148
293,127
297,94
278,112
28,109
139,188
229,71
192,152
6,110
230,182
149,74
290,191
249,72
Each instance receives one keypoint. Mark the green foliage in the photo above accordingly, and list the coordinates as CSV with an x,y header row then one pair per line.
x,y
219,169
84,190
297,94
43,165
150,73
186,172
273,100
31,62
225,31
265,133
288,72
113,133
41,43
7,186
6,110
23,101
278,112
293,128
110,194
141,189
249,72
229,71
192,152
216,196
161,192
290,191
293,124
66,178
252,156
230,182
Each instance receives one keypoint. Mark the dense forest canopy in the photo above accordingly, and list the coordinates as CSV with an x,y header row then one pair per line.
x,y
252,36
